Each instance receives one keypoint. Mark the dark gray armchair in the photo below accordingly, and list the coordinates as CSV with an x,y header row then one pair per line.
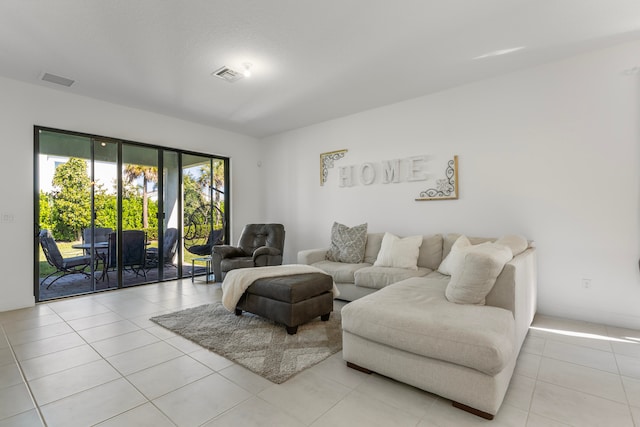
x,y
259,245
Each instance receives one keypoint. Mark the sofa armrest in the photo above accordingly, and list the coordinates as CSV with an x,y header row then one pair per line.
x,y
311,256
516,290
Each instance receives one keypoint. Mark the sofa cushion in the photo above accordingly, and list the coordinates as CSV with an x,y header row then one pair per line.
x,y
379,277
374,242
450,239
340,271
430,253
399,253
456,253
517,244
413,315
347,243
473,278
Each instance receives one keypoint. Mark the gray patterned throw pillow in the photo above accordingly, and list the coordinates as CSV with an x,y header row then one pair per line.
x,y
347,244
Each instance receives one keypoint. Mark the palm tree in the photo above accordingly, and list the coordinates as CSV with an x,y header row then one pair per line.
x,y
213,185
148,174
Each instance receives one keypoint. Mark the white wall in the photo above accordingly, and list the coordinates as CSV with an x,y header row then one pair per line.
x,y
550,153
22,106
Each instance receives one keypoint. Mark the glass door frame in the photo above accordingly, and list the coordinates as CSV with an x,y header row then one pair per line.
x,y
161,205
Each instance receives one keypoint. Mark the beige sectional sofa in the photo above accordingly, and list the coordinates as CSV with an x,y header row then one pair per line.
x,y
401,324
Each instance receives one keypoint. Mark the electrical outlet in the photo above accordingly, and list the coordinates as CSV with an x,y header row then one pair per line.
x,y
586,283
6,217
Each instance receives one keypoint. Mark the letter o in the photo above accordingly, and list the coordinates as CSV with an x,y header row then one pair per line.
x,y
367,173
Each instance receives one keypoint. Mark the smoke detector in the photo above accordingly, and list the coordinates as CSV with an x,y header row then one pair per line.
x,y
227,74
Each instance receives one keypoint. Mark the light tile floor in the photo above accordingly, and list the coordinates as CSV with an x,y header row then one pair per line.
x,y
98,360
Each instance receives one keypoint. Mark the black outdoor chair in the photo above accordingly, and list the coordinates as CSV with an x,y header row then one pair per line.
x,y
169,248
100,234
216,237
66,266
133,252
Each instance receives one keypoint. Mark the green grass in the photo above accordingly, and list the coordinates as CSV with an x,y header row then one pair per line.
x,y
65,249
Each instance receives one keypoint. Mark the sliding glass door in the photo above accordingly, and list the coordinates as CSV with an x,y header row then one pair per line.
x,y
65,199
139,214
170,250
113,214
203,207
102,231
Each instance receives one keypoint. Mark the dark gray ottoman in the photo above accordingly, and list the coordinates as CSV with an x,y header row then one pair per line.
x,y
291,300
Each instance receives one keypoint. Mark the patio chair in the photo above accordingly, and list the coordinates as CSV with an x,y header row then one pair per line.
x,y
133,252
216,237
169,248
66,266
100,234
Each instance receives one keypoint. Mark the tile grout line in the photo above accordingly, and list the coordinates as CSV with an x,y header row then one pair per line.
x,y
122,376
126,377
618,374
624,388
24,380
535,384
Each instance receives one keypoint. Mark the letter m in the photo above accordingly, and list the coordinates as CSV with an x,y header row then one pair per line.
x,y
391,171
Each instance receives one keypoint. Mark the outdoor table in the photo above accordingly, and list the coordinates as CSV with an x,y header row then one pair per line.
x,y
100,256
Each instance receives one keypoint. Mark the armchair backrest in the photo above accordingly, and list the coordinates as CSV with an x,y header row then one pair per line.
x,y
257,235
50,249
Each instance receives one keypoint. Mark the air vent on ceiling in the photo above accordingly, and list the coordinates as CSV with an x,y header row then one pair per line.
x,y
52,78
227,74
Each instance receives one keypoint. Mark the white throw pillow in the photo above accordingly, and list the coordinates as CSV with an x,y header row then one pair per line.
x,y
454,256
474,278
399,253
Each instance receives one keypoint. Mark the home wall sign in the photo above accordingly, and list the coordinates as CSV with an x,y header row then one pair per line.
x,y
440,177
385,172
326,163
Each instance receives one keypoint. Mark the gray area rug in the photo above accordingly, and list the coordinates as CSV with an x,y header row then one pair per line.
x,y
256,343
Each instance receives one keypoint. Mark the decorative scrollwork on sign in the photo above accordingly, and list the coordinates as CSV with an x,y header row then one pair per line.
x,y
326,163
446,188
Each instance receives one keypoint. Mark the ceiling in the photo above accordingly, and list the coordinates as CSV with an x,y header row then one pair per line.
x,y
311,60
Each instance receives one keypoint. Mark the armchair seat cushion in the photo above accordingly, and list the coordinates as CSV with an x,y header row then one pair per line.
x,y
76,261
228,264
